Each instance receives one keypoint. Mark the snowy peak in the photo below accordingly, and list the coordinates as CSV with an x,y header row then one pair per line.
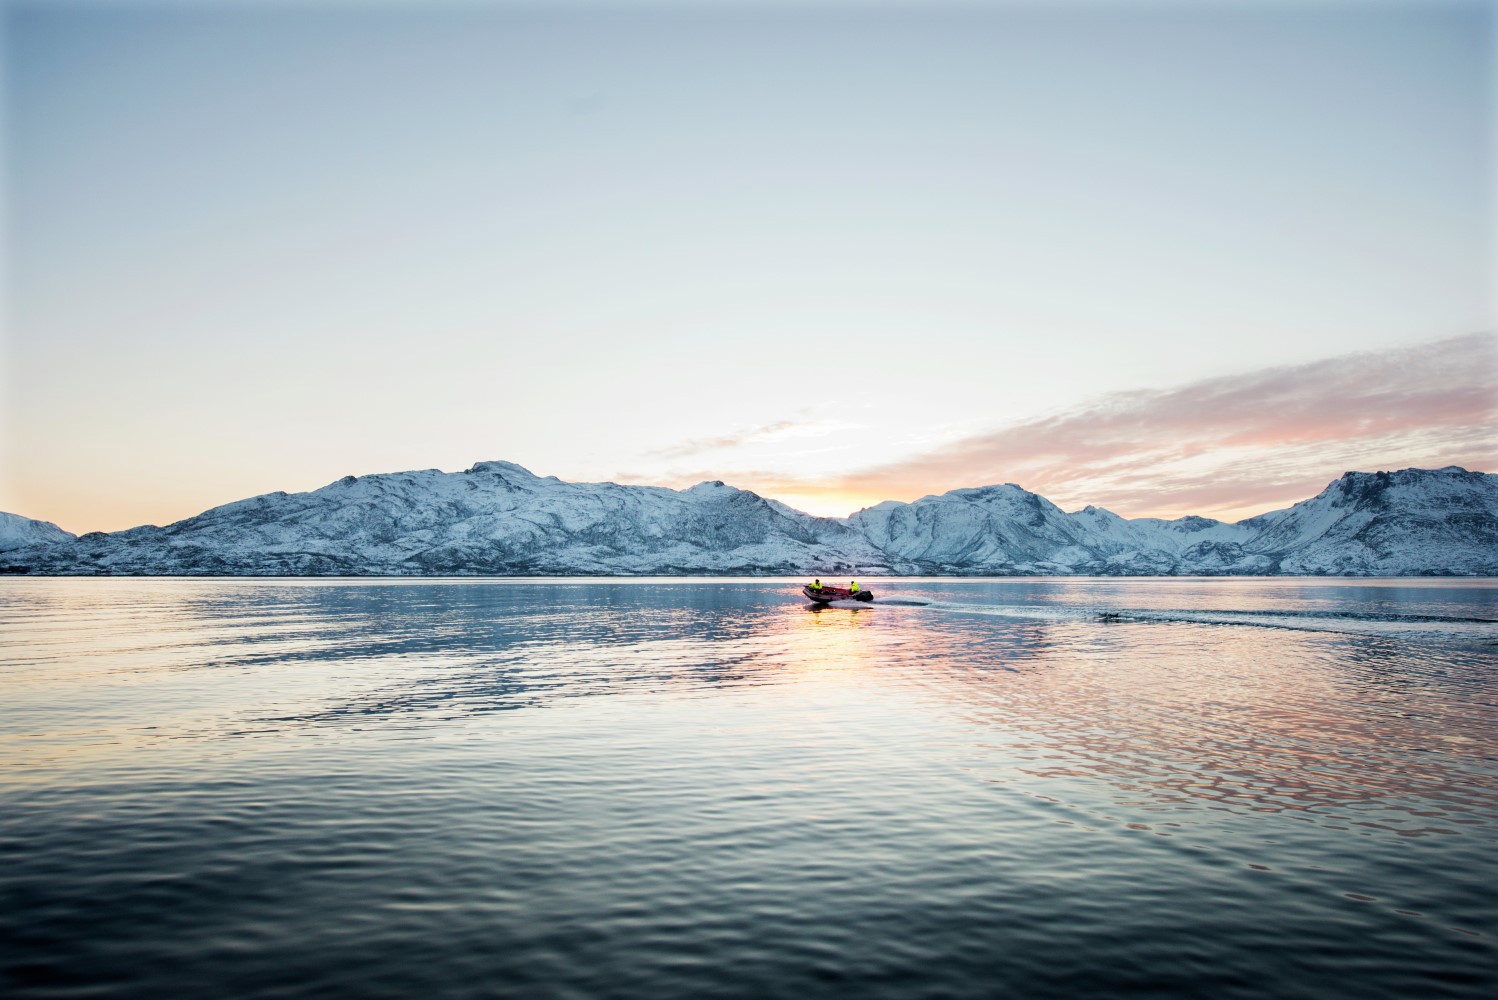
x,y
18,532
994,529
1007,497
1364,488
502,468
1193,523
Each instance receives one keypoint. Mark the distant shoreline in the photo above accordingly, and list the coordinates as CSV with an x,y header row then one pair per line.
x,y
741,577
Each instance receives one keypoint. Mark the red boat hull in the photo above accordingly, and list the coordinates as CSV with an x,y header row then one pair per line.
x,y
828,594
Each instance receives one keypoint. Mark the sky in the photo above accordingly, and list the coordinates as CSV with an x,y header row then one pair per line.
x,y
1164,258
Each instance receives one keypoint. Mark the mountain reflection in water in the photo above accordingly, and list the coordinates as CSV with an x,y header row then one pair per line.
x,y
708,787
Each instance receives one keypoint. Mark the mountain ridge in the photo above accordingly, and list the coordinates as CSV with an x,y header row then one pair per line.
x,y
498,518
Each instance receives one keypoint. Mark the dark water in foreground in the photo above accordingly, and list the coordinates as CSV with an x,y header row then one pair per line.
x,y
688,789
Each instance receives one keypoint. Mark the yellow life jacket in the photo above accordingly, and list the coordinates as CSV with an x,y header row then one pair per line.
x,y
854,587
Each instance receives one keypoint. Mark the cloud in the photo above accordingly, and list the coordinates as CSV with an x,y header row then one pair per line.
x,y
697,446
1232,445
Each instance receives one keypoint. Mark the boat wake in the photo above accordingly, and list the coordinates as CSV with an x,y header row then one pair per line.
x,y
1348,622
1482,631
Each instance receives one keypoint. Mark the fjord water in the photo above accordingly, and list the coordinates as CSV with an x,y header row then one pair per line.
x,y
687,788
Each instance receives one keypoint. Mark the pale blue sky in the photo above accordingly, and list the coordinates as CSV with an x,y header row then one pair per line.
x,y
258,247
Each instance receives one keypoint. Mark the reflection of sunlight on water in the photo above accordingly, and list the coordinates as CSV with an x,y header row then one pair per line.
x,y
835,638
1168,718
1174,724
1340,730
1213,719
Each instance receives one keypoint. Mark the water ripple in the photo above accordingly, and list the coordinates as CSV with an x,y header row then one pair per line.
x,y
697,788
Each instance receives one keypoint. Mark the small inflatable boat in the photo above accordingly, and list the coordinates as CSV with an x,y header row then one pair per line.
x,y
829,594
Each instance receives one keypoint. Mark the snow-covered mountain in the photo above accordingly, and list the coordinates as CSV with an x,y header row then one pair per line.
x,y
1414,522
1386,524
498,518
495,518
1008,530
18,532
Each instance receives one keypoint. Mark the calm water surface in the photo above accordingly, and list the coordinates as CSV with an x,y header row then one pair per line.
x,y
687,788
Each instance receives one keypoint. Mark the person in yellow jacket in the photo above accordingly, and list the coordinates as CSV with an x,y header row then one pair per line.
x,y
853,586
816,584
